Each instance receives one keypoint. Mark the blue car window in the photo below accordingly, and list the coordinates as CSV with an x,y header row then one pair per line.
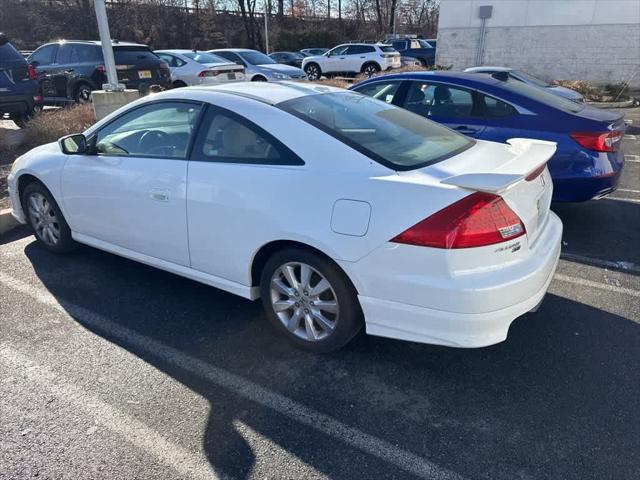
x,y
384,91
541,95
495,108
438,100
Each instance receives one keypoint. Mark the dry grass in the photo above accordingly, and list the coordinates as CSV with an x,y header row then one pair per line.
x,y
593,93
50,125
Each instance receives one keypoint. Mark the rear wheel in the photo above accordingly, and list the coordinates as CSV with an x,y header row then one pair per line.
x,y
44,215
178,84
258,78
313,71
310,300
370,69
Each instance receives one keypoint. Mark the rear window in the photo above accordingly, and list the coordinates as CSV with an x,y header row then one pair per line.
x,y
542,96
9,54
204,57
387,48
134,55
390,135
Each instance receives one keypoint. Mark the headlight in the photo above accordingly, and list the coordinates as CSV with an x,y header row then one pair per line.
x,y
281,76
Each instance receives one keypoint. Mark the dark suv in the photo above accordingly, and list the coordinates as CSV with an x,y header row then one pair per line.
x,y
70,70
415,48
18,86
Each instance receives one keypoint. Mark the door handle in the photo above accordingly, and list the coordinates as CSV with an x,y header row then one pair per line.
x,y
464,129
159,195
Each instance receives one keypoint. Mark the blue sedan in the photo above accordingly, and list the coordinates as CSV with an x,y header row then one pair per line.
x,y
588,162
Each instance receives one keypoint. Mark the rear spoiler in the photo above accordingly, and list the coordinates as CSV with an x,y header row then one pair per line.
x,y
529,156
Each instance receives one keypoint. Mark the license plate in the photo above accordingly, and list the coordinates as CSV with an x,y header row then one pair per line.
x,y
231,76
144,74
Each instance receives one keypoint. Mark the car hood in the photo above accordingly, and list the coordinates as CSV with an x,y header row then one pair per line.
x,y
566,92
280,68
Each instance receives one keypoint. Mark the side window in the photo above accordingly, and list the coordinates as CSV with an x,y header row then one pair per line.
x,y
495,108
339,50
171,60
45,55
159,130
367,49
430,100
228,138
385,91
230,56
399,45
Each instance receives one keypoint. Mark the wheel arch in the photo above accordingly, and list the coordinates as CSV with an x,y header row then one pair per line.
x,y
371,62
29,177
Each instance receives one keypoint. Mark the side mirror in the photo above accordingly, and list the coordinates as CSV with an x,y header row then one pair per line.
x,y
75,144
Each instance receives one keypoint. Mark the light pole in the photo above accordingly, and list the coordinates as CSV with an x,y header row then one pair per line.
x,y
266,26
112,84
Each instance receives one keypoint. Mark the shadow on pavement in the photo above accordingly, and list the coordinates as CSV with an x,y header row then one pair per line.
x,y
558,399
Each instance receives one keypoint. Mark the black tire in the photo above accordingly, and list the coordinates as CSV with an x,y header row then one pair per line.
x,y
178,84
64,242
313,71
82,93
370,69
348,319
258,78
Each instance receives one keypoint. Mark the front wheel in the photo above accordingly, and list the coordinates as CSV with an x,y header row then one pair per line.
x,y
313,71
46,219
310,300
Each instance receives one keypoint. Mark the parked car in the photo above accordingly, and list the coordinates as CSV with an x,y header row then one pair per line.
x,y
352,58
70,70
588,162
193,67
288,58
309,52
324,203
259,67
415,47
19,94
531,80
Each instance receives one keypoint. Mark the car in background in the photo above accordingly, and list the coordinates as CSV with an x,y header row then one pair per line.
x,y
19,94
308,52
416,48
288,58
193,67
336,210
69,70
352,58
588,161
260,67
531,80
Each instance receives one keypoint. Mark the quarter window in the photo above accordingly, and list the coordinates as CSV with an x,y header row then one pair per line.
x,y
228,138
495,108
158,130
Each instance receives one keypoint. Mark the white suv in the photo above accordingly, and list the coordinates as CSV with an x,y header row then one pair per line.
x,y
352,58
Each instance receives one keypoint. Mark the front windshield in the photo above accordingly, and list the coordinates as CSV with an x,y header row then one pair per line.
x,y
392,136
541,95
204,57
529,79
256,58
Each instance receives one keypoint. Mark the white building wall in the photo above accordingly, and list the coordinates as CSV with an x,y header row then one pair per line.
x,y
593,40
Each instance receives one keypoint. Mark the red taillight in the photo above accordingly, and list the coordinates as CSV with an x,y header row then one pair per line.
x,y
208,73
31,72
599,141
475,221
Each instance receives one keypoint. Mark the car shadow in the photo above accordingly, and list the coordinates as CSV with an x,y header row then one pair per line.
x,y
558,399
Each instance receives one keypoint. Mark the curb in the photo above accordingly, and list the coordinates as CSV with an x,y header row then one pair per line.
x,y
625,104
7,222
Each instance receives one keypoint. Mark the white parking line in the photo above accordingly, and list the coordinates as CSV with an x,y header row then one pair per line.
x,y
620,199
591,284
630,137
129,428
616,265
626,190
241,386
632,158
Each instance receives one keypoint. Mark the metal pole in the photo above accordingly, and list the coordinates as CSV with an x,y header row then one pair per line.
x,y
266,27
107,49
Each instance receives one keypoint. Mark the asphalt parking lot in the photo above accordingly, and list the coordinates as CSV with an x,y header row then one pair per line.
x,y
113,370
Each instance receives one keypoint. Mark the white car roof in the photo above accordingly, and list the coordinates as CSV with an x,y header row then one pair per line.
x,y
486,69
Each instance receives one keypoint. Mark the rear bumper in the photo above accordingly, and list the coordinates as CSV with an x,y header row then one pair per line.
x,y
472,310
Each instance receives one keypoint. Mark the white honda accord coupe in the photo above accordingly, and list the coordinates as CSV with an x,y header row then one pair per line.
x,y
337,210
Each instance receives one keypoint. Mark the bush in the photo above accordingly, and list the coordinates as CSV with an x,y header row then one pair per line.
x,y
50,125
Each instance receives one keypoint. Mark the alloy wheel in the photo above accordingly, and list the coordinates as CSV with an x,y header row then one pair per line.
x,y
304,301
370,70
312,72
43,219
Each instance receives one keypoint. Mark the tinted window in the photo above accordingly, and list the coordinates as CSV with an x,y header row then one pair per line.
x,y
435,100
495,108
171,60
392,136
339,50
399,45
541,95
134,55
231,57
358,49
204,57
256,58
384,91
45,55
78,53
226,137
387,49
520,75
161,130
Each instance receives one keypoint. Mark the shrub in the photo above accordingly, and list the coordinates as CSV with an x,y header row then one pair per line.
x,y
50,125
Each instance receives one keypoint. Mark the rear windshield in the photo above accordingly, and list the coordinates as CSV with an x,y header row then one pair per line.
x,y
387,48
542,96
528,78
394,137
134,55
204,57
9,54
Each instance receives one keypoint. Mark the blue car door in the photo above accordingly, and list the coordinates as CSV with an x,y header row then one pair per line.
x,y
454,106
